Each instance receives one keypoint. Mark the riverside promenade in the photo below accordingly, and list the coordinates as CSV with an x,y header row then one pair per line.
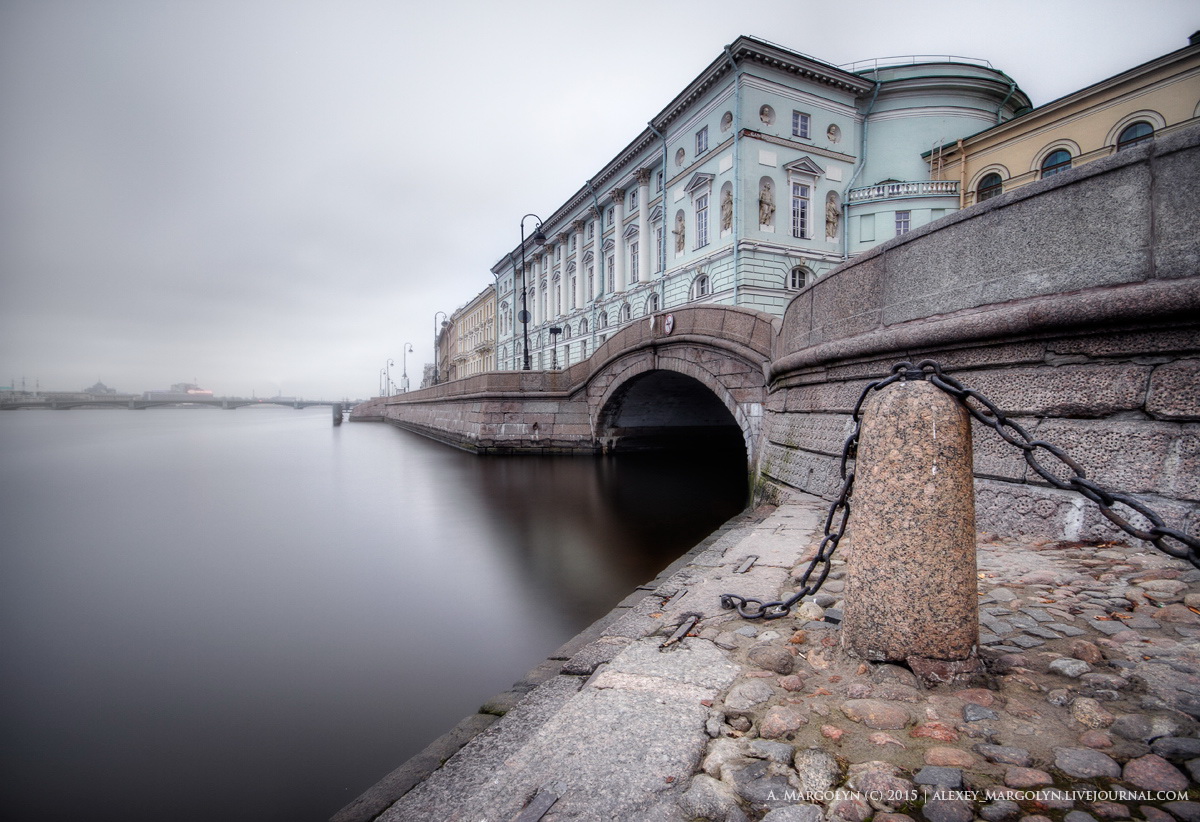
x,y
1087,708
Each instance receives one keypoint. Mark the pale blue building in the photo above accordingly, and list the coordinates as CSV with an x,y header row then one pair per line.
x,y
767,171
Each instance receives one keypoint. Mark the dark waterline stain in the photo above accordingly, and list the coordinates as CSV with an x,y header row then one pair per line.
x,y
252,615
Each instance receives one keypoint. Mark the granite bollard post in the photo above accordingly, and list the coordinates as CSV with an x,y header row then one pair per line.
x,y
911,581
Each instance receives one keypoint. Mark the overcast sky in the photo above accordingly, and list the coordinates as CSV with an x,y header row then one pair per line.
x,y
273,197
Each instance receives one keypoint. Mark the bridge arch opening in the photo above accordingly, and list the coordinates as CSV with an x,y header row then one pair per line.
x,y
662,410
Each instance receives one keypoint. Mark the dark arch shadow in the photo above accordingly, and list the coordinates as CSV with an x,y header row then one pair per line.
x,y
665,410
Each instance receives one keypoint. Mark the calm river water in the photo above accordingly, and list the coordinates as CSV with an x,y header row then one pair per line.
x,y
254,615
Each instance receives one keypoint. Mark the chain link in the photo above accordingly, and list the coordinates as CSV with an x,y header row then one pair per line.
x,y
1170,541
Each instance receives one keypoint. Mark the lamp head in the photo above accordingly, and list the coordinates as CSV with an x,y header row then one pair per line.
x,y
538,237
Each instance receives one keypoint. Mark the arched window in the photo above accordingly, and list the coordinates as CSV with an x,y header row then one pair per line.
x,y
652,304
1135,133
566,332
1055,162
583,326
626,313
798,277
700,287
992,185
602,320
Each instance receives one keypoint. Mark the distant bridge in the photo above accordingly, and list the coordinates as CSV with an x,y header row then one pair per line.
x,y
138,404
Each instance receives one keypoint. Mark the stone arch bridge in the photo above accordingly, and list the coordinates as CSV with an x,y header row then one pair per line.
x,y
701,376
1073,303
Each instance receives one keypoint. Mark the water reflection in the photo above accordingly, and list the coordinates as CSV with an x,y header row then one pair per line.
x,y
253,615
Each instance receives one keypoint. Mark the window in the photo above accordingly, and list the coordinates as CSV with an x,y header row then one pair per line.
x,y
990,186
798,277
658,244
626,313
591,235
701,287
591,280
801,123
583,326
610,217
609,262
566,332
903,222
800,209
701,220
633,262
1133,134
633,201
652,304
701,141
658,181
1055,162
602,320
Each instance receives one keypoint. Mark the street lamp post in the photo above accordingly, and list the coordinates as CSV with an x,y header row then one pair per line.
x,y
539,239
387,381
382,376
404,364
554,332
435,343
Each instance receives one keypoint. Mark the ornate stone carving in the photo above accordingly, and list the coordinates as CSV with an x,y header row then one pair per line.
x,y
680,233
618,196
642,175
766,204
726,209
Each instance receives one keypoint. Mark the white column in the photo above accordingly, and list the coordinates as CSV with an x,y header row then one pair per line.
x,y
580,274
645,244
618,195
560,293
597,256
532,284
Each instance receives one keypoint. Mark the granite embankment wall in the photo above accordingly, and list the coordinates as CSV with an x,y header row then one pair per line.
x,y
1073,303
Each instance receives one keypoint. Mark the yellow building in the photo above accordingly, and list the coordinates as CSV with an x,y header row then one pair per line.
x,y
1150,100
473,336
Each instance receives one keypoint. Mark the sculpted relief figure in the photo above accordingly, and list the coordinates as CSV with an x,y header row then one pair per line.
x,y
679,233
726,209
833,216
766,204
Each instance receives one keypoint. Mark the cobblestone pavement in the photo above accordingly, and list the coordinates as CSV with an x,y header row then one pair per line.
x,y
1086,709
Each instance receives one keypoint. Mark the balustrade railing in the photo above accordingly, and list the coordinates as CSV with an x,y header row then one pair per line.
x,y
916,188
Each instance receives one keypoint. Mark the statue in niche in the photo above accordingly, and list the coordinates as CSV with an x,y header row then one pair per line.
x,y
766,204
833,216
679,232
726,209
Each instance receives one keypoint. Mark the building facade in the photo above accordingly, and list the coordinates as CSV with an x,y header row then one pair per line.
x,y
767,171
1147,101
472,336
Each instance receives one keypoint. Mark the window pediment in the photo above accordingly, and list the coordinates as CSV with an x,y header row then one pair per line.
x,y
804,166
699,181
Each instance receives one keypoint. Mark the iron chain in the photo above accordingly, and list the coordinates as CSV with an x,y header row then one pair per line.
x,y
1170,541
